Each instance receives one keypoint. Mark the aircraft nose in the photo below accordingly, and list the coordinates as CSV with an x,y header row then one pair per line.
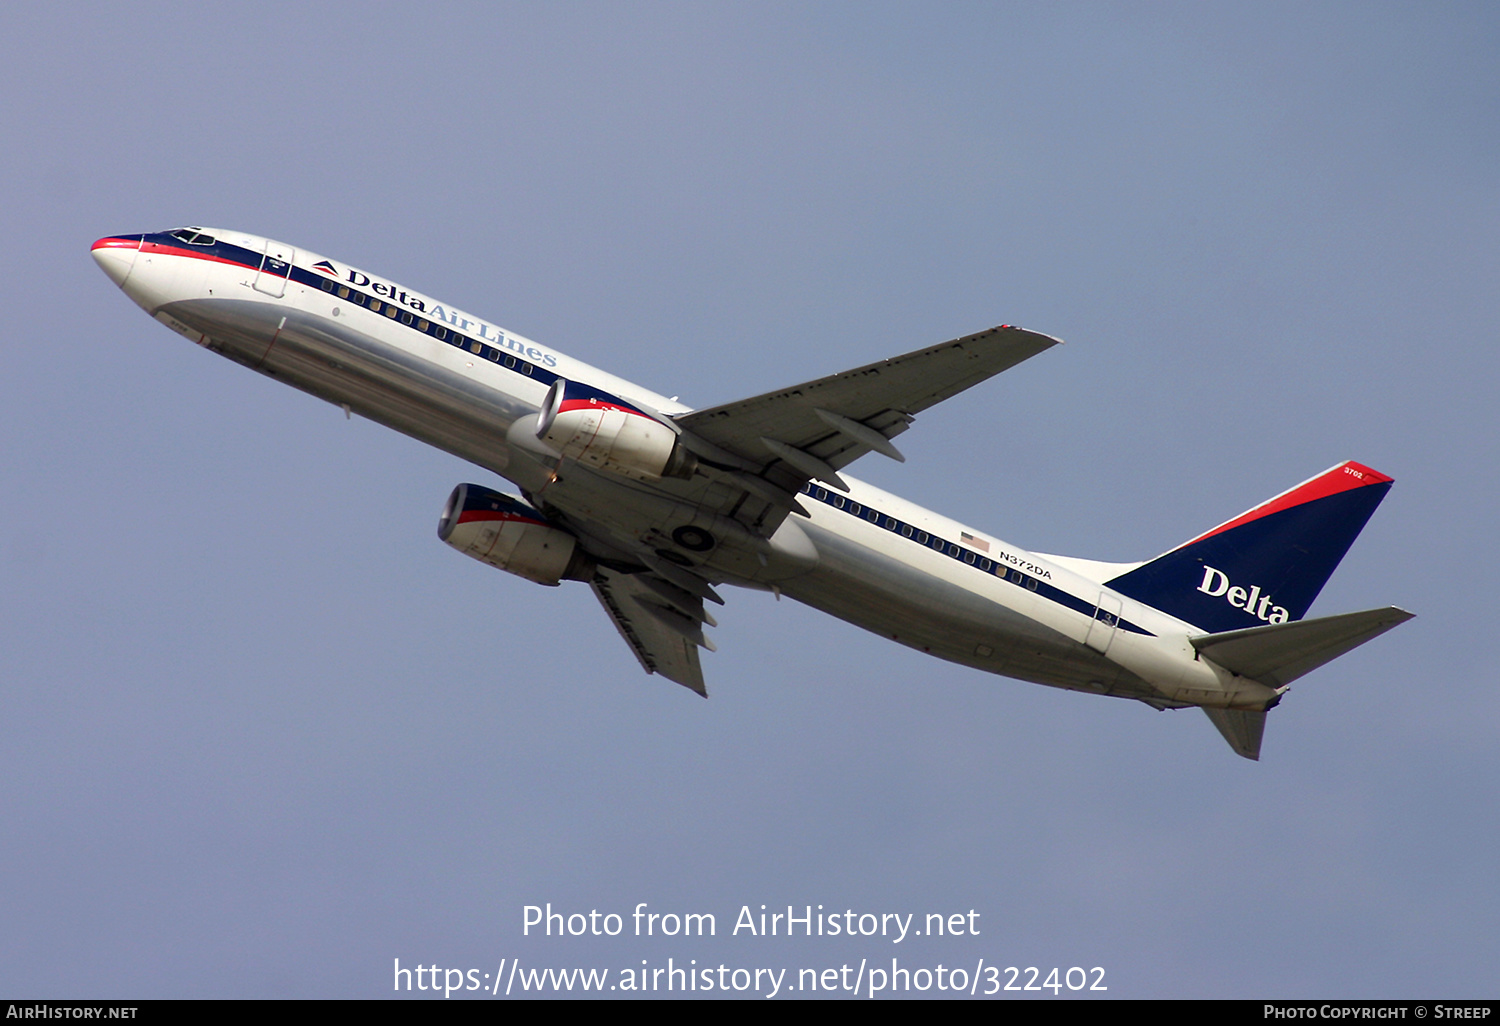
x,y
115,255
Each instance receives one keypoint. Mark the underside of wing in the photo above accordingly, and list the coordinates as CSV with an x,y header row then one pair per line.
x,y
662,623
813,429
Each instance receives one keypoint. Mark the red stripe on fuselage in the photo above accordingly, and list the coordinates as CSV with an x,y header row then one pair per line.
x,y
1345,477
185,251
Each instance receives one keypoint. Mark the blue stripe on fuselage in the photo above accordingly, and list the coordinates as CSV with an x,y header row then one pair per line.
x,y
969,557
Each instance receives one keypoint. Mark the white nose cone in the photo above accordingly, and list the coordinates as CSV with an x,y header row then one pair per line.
x,y
115,255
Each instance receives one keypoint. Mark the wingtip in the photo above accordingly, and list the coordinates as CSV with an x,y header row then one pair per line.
x,y
1051,339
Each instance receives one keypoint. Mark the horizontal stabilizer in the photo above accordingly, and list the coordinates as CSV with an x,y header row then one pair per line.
x,y
1279,653
1242,728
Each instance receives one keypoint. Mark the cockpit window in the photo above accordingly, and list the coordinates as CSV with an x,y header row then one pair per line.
x,y
192,236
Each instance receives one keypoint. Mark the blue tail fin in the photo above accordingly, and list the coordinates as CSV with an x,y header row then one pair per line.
x,y
1268,564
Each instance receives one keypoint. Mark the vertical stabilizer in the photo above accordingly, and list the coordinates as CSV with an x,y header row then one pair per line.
x,y
1266,565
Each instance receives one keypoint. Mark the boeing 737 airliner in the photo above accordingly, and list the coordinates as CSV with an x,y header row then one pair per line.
x,y
652,504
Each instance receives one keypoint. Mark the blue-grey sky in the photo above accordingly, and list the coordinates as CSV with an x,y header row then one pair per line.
x,y
261,733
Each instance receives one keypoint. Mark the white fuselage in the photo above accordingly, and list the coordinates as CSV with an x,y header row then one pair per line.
x,y
908,573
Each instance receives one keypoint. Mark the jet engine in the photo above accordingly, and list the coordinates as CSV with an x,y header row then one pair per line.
x,y
594,427
508,534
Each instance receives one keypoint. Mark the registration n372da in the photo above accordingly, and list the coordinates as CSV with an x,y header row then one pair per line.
x,y
654,505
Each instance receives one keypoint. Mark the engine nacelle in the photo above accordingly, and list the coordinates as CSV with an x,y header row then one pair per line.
x,y
506,533
594,427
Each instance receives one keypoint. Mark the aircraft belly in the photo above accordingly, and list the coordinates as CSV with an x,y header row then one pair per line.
x,y
923,611
382,382
642,517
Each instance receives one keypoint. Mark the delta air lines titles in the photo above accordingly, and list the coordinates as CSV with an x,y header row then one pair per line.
x,y
1216,584
453,318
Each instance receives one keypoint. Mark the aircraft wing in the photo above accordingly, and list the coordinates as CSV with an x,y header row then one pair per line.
x,y
661,622
813,429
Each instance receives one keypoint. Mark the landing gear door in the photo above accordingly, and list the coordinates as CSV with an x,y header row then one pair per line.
x,y
1106,619
275,266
